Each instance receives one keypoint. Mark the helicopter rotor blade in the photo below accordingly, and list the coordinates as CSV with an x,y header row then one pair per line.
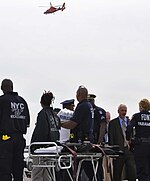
x,y
43,6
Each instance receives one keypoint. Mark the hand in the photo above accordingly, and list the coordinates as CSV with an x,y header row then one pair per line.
x,y
128,144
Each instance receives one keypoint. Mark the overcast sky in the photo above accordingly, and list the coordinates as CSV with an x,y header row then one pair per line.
x,y
101,44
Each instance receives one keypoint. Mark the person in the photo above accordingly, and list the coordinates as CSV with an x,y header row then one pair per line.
x,y
116,136
14,120
46,130
99,121
65,114
98,130
141,122
82,120
108,119
81,124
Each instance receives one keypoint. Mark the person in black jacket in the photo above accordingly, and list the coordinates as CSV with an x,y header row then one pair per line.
x,y
81,125
99,130
141,122
14,120
46,130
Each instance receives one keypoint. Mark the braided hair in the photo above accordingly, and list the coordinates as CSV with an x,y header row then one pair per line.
x,y
47,98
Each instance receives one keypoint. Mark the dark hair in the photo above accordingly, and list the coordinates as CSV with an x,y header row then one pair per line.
x,y
47,98
7,85
56,110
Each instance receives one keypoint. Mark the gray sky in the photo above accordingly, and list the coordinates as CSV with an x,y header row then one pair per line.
x,y
102,44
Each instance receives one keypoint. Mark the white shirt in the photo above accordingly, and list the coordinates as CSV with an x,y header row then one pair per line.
x,y
65,115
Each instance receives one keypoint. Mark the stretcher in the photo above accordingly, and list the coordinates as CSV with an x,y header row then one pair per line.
x,y
53,157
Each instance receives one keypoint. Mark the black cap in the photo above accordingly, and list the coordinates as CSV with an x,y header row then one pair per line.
x,y
69,102
91,96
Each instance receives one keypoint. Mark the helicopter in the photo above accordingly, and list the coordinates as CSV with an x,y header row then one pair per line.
x,y
53,9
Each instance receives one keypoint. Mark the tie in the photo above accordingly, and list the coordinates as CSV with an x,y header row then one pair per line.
x,y
124,127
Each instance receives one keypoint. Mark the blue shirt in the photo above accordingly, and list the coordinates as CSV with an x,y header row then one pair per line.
x,y
84,117
125,120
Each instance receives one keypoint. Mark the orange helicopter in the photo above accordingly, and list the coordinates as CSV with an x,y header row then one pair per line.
x,y
53,9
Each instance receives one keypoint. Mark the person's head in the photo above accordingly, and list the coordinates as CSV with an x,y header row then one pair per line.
x,y
122,110
108,117
81,93
56,110
144,105
91,98
46,99
68,104
7,86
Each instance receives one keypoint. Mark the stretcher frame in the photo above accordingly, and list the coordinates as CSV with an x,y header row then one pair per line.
x,y
66,161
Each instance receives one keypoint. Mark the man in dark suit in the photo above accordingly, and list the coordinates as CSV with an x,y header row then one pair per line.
x,y
116,136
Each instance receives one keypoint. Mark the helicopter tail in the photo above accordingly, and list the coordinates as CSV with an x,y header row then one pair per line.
x,y
63,6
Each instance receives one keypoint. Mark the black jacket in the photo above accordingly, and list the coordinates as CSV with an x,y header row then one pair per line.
x,y
115,134
14,114
47,126
141,122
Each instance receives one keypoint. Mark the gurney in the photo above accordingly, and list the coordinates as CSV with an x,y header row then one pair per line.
x,y
55,157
